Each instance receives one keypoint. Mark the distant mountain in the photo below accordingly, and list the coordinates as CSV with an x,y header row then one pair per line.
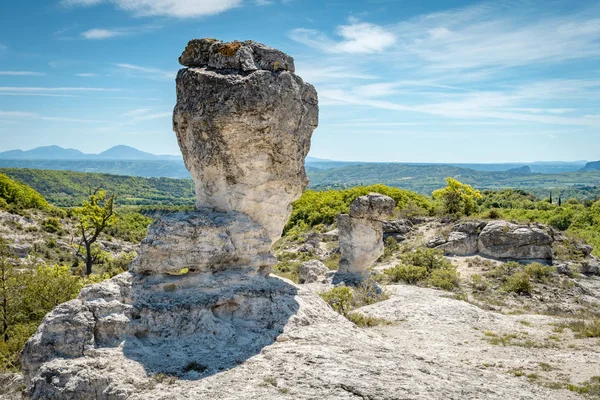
x,y
45,153
520,170
592,166
120,152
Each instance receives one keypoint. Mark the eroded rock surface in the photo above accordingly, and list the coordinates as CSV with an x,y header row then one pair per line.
x,y
502,239
198,299
244,133
361,232
205,241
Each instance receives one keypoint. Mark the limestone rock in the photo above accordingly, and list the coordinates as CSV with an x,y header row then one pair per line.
x,y
244,135
331,236
398,229
436,241
463,240
502,239
312,271
361,243
245,56
203,241
590,266
374,206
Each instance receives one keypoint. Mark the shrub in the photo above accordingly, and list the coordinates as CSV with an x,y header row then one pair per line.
x,y
364,321
518,283
391,246
494,214
431,259
51,225
458,197
561,221
407,273
478,283
446,279
539,272
20,196
503,271
339,298
332,261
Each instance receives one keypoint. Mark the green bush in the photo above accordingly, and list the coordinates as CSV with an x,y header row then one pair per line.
x,y
339,298
391,246
51,225
407,273
431,259
20,196
446,279
539,272
518,283
478,283
323,207
364,321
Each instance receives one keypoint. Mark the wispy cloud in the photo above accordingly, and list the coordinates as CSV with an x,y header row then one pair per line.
x,y
166,8
146,72
356,37
86,75
96,34
136,112
108,33
13,116
22,73
26,89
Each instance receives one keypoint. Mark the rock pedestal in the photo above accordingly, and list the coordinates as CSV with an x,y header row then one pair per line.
x,y
244,121
198,299
361,232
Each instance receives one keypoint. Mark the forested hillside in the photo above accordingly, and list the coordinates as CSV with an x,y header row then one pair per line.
x,y
67,188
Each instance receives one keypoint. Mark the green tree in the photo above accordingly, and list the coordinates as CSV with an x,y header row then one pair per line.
x,y
94,216
458,197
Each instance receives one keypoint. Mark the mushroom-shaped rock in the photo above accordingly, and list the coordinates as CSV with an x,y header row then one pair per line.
x,y
244,131
361,232
375,206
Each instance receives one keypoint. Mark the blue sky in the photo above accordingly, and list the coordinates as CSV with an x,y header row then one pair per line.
x,y
398,80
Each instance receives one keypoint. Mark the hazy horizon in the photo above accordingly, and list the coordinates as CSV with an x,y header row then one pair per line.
x,y
441,82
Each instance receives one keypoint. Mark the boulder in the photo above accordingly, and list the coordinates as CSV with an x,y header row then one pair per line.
x,y
373,206
502,239
331,236
590,266
361,243
312,271
204,241
398,229
436,241
463,240
244,129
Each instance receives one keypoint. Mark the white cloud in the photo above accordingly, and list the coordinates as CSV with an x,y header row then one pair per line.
x,y
97,34
16,114
136,112
22,73
357,37
146,72
86,75
165,8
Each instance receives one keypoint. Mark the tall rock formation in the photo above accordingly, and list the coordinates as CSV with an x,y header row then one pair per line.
x,y
244,121
361,232
198,299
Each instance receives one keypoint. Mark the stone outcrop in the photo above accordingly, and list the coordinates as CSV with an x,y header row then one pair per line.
x,y
312,271
502,239
244,121
198,299
361,232
398,229
498,239
463,240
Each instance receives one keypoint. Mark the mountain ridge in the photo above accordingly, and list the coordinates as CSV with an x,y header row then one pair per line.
x,y
54,152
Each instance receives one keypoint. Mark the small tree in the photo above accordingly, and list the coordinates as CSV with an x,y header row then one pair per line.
x,y
6,289
457,197
94,216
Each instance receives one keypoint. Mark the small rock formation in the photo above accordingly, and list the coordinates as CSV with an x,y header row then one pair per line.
x,y
312,271
502,239
398,229
244,121
463,240
198,299
497,239
361,232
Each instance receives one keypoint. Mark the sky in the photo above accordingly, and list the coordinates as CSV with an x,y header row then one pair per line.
x,y
398,80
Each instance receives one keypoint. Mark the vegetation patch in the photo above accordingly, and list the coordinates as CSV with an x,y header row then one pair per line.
x,y
426,267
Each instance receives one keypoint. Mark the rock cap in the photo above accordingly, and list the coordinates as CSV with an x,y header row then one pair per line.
x,y
244,56
374,206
